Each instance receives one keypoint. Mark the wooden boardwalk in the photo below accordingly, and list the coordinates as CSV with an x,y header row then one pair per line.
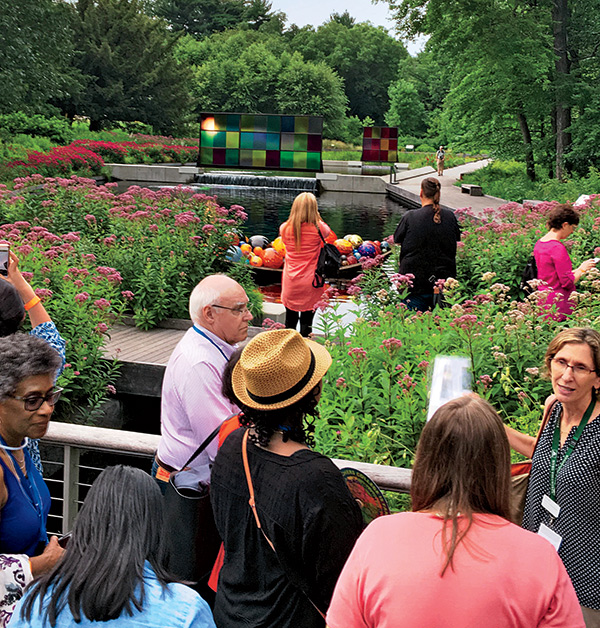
x,y
130,344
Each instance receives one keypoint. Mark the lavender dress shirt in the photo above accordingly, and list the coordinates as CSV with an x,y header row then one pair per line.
x,y
192,405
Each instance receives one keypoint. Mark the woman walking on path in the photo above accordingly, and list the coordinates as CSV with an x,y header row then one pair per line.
x,y
554,264
428,238
440,156
300,234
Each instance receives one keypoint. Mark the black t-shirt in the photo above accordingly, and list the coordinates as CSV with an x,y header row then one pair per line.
x,y
309,515
428,248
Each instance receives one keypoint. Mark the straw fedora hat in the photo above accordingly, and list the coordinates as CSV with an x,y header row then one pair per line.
x,y
277,368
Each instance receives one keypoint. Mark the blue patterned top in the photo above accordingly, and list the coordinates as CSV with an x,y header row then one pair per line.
x,y
48,332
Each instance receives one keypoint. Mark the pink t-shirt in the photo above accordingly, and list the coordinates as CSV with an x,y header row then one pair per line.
x,y
503,577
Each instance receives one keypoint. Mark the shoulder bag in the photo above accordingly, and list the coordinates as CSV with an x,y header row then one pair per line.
x,y
328,264
520,472
189,525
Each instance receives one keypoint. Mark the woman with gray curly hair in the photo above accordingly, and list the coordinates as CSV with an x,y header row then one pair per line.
x,y
27,398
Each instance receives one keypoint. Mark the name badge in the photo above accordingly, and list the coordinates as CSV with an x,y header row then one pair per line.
x,y
550,535
550,506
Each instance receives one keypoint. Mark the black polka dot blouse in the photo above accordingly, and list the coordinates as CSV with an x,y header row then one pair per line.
x,y
578,495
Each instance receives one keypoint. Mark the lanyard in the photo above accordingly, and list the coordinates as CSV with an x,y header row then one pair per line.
x,y
554,466
212,342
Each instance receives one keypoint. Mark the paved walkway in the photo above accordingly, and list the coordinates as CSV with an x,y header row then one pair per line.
x,y
409,186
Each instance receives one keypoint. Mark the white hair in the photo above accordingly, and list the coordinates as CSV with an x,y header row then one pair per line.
x,y
201,297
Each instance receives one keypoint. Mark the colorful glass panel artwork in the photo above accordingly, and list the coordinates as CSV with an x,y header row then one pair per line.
x,y
380,144
261,141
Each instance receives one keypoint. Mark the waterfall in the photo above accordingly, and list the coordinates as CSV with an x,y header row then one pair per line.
x,y
252,180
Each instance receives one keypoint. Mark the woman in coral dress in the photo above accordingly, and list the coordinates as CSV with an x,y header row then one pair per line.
x,y
300,234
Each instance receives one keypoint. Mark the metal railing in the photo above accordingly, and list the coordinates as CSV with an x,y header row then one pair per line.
x,y
74,455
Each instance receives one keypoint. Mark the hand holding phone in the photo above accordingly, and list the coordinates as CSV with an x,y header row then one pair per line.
x,y
4,258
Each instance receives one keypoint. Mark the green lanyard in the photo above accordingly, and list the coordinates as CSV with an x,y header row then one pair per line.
x,y
554,467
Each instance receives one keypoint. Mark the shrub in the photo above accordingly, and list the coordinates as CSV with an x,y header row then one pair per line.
x,y
57,129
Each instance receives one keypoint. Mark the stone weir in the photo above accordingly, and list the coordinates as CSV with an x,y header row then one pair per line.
x,y
247,179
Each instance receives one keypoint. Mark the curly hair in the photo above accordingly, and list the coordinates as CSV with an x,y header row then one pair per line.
x,y
292,421
22,356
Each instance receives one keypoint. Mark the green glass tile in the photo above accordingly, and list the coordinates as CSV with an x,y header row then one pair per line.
x,y
273,141
259,158
260,123
287,141
301,124
300,161
287,160
315,125
233,139
273,124
220,122
246,158
206,156
233,122
232,157
207,138
247,123
220,139
376,132
247,141
300,142
313,161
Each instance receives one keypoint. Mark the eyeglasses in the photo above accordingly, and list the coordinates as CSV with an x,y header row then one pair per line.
x,y
34,402
237,310
560,366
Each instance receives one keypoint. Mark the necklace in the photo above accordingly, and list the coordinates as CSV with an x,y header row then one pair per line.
x,y
22,446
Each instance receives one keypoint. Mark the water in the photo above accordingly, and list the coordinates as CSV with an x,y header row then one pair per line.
x,y
246,179
372,216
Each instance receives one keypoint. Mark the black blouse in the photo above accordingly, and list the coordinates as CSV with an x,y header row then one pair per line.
x,y
578,495
309,515
428,248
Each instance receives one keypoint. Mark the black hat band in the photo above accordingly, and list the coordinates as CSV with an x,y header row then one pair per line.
x,y
290,392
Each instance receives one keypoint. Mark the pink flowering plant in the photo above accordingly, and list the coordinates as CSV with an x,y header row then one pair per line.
x,y
160,243
93,255
374,402
84,301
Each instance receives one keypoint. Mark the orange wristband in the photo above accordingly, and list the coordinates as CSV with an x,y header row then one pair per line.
x,y
31,303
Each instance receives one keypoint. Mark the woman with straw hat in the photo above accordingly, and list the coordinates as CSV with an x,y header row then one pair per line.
x,y
284,551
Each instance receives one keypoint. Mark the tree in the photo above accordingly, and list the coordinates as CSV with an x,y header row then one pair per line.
x,y
500,67
250,72
36,47
200,18
365,56
128,60
406,109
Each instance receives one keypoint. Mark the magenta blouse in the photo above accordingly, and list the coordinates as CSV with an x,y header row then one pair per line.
x,y
555,268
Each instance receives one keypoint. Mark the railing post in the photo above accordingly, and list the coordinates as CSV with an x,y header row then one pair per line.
x,y
70,487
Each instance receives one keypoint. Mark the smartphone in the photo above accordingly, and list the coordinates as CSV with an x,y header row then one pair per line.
x,y
4,257
450,377
63,541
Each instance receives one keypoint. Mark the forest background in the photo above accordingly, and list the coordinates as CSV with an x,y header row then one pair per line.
x,y
517,79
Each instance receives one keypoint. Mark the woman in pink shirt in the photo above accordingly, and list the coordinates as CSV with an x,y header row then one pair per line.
x,y
456,561
300,234
554,264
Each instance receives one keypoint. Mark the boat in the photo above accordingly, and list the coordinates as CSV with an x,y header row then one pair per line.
x,y
271,276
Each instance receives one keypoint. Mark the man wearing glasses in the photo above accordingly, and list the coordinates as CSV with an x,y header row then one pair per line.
x,y
192,404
